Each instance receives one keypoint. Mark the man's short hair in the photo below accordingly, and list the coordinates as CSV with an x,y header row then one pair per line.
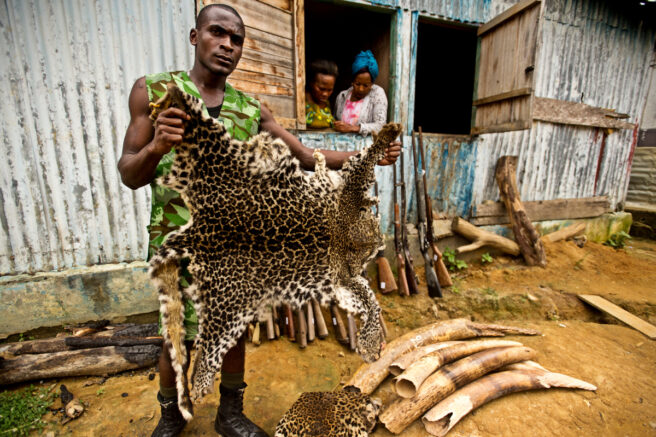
x,y
202,15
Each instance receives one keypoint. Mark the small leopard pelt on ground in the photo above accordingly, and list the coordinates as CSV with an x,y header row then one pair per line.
x,y
345,413
261,231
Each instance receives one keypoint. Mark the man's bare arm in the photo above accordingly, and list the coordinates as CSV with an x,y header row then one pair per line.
x,y
334,159
145,144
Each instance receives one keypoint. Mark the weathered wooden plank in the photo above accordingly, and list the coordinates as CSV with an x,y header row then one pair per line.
x,y
281,61
299,57
557,209
506,15
503,127
261,78
620,314
503,96
268,43
577,114
246,64
260,88
261,16
280,106
285,5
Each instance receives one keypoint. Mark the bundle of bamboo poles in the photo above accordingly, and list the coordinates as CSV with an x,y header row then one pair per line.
x,y
444,378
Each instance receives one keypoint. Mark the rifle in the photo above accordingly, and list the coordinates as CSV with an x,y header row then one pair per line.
x,y
398,245
442,272
410,274
386,283
432,283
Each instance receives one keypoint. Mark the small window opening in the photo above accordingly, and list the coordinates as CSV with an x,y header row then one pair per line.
x,y
446,63
338,33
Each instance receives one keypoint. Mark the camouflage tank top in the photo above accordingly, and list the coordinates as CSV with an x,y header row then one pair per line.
x,y
240,115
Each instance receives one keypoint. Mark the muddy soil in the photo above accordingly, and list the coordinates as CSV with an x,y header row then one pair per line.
x,y
576,340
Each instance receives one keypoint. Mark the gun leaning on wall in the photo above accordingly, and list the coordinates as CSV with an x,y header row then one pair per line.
x,y
432,282
438,263
410,274
398,243
386,282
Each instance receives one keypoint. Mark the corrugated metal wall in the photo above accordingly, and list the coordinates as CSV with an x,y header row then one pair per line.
x,y
67,70
591,53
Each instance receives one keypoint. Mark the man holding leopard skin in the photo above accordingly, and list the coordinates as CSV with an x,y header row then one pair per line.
x,y
148,153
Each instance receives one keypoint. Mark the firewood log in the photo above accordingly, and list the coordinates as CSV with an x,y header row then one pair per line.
x,y
564,233
526,236
369,376
445,381
482,238
84,362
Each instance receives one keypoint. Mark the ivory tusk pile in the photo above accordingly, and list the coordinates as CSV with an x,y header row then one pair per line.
x,y
443,416
411,379
369,376
445,381
405,360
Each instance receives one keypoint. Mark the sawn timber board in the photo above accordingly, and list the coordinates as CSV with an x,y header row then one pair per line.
x,y
620,314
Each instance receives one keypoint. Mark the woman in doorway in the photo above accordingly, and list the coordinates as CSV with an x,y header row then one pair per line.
x,y
323,74
363,107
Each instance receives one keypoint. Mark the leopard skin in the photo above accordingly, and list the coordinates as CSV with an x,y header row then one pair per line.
x,y
262,231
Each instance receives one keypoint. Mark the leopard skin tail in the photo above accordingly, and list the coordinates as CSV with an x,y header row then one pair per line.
x,y
165,272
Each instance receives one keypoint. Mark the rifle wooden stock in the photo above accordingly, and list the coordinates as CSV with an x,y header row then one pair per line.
x,y
338,324
301,333
276,321
271,334
411,276
289,322
310,322
442,272
351,331
256,334
432,282
386,282
398,247
322,329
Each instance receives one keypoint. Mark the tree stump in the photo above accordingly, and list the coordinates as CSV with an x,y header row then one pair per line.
x,y
526,235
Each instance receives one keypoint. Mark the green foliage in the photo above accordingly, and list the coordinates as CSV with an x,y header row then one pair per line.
x,y
449,257
100,391
486,258
21,411
618,240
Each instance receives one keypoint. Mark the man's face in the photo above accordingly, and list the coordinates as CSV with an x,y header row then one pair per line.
x,y
219,41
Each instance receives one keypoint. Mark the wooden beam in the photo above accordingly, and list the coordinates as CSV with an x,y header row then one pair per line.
x,y
506,15
503,96
557,209
620,314
503,127
299,57
577,114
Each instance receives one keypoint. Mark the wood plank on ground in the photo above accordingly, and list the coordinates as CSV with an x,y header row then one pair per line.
x,y
620,314
556,209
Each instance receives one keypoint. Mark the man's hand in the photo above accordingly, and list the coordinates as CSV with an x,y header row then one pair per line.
x,y
341,126
169,129
392,152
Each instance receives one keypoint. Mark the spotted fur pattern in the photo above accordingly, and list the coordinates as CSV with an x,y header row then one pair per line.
x,y
343,413
261,231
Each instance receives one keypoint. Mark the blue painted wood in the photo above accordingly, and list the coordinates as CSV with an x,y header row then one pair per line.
x,y
413,70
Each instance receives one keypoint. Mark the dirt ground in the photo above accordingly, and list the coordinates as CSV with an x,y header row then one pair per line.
x,y
576,340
